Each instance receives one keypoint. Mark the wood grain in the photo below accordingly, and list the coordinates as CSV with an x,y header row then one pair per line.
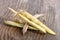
x,y
51,9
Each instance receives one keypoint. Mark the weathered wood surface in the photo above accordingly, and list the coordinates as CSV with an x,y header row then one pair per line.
x,y
49,7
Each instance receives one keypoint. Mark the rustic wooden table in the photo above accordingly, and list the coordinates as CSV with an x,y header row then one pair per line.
x,y
49,7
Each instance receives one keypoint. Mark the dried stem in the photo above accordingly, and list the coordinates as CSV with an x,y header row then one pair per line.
x,y
18,24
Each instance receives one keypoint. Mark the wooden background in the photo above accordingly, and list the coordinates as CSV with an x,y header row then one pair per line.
x,y
49,7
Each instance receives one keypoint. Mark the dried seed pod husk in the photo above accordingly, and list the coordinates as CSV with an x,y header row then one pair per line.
x,y
25,27
38,15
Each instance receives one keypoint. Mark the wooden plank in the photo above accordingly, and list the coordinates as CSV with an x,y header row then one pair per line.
x,y
50,8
